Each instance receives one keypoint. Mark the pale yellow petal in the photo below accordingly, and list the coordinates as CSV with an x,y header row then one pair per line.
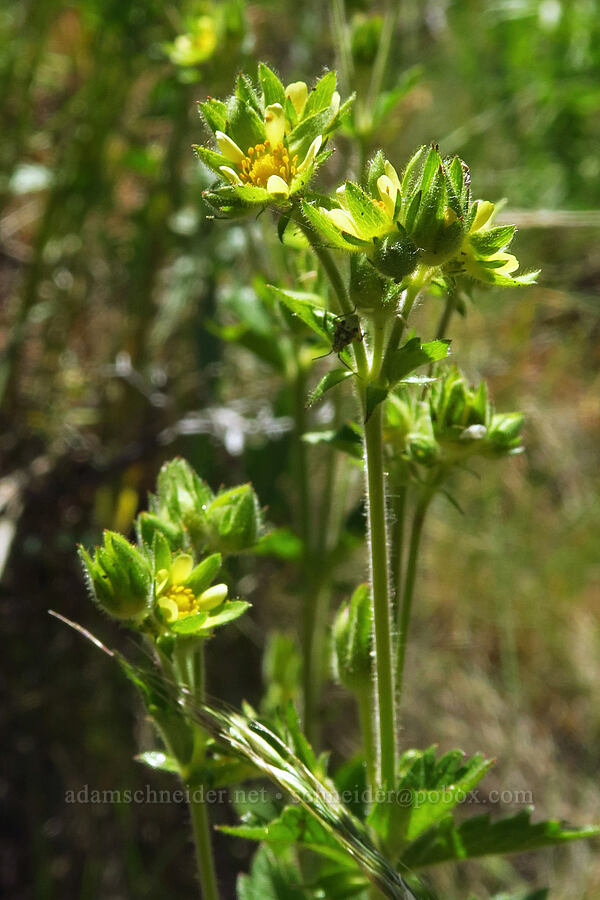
x,y
482,216
342,220
335,103
275,123
388,193
213,597
511,263
277,187
181,568
169,609
340,193
229,148
310,156
162,580
230,175
297,92
391,174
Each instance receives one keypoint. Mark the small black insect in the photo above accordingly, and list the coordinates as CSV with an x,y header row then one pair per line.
x,y
346,332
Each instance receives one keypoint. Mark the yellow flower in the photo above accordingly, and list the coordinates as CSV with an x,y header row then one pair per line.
x,y
268,165
503,263
175,595
388,186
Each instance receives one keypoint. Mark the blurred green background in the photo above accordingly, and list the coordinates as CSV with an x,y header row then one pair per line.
x,y
109,273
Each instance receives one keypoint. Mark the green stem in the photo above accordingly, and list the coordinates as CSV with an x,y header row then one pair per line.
x,y
409,586
204,857
365,711
197,805
397,547
384,674
446,315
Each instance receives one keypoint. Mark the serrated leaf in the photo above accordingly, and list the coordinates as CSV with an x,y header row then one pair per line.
x,y
327,382
270,878
307,307
411,355
479,836
273,89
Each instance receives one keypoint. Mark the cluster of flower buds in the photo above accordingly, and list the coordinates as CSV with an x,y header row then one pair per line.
x,y
457,421
165,584
425,217
269,139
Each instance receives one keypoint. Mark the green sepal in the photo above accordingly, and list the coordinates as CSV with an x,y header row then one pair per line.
x,y
202,576
225,614
244,90
412,173
375,169
118,577
244,125
333,236
148,523
492,240
330,380
353,640
273,89
215,114
369,218
234,520
480,836
395,256
161,552
211,158
320,96
193,624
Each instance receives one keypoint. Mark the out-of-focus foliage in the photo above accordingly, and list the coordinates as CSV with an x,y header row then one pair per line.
x,y
115,285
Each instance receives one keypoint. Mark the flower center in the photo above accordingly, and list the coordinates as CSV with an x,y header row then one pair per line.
x,y
263,161
183,598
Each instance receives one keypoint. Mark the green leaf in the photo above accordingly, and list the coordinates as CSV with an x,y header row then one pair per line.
x,y
347,438
271,878
203,575
479,836
259,343
353,640
388,100
309,308
282,542
320,96
327,382
333,236
370,218
215,114
231,611
244,125
273,89
411,355
426,792
155,759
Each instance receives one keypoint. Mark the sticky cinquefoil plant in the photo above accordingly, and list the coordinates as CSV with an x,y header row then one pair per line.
x,y
380,244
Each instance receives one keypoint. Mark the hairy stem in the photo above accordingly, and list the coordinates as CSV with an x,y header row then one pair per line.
x,y
397,547
409,586
378,550
197,805
365,711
